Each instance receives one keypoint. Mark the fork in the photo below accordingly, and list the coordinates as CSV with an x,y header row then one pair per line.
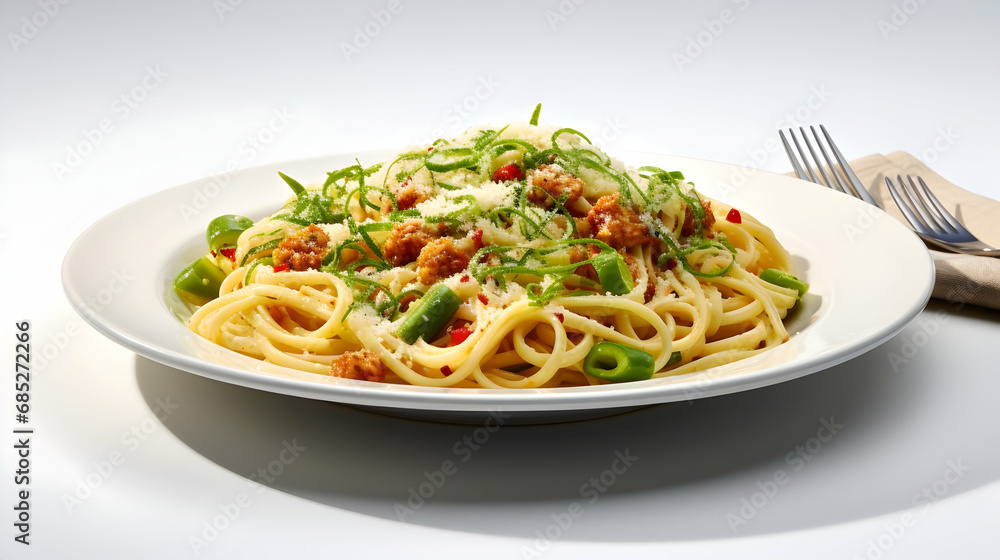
x,y
805,172
939,227
934,223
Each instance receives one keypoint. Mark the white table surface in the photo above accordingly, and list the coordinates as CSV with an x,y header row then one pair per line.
x,y
883,75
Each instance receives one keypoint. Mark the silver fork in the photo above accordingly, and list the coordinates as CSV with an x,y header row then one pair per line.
x,y
934,223
805,172
941,230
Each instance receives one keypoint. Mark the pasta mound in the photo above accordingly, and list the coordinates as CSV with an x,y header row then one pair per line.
x,y
502,258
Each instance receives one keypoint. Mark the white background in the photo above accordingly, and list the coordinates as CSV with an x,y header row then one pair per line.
x,y
668,77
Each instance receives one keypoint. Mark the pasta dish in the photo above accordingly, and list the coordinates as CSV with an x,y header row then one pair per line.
x,y
513,257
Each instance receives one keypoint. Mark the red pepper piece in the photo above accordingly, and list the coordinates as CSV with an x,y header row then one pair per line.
x,y
459,335
477,238
734,217
509,172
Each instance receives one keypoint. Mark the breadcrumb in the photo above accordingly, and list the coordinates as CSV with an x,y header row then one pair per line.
x,y
404,244
440,259
303,250
616,225
552,180
363,365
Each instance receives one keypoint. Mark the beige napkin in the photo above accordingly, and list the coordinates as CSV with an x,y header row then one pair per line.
x,y
960,279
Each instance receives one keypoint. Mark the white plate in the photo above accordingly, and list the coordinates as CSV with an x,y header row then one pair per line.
x,y
869,277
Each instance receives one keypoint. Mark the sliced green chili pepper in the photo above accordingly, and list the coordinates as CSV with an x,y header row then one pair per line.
x,y
199,282
260,249
309,207
674,358
225,230
785,280
429,314
534,116
616,362
450,159
266,260
295,185
613,273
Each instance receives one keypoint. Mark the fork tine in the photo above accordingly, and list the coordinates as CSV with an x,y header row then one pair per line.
x,y
904,207
819,165
805,160
941,210
841,185
791,156
917,203
859,188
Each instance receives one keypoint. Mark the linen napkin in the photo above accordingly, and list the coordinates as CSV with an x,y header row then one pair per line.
x,y
960,279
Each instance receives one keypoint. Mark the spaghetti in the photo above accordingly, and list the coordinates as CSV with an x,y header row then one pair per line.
x,y
522,257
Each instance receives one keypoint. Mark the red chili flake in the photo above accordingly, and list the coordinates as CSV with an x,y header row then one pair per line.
x,y
281,267
465,278
214,255
482,298
734,217
477,238
560,317
671,263
431,149
446,370
459,335
229,253
509,172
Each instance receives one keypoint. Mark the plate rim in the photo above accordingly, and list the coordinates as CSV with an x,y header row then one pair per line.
x,y
485,400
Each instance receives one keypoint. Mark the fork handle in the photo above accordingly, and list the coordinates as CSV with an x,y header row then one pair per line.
x,y
967,248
